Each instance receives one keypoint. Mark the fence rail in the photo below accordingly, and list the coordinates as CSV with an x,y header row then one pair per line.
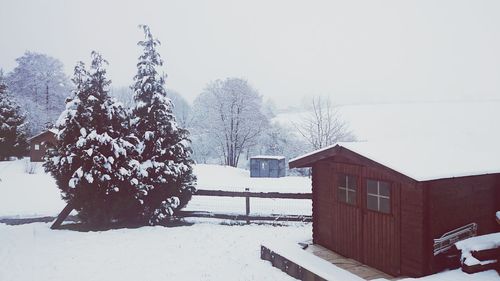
x,y
242,217
247,194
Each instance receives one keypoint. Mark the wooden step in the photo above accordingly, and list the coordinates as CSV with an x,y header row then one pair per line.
x,y
479,267
488,254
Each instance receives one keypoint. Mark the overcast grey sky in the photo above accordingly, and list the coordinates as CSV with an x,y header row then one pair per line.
x,y
354,51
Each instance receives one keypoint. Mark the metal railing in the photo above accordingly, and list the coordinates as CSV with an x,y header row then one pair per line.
x,y
447,240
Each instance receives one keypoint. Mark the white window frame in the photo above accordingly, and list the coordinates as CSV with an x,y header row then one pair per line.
x,y
378,196
347,189
37,146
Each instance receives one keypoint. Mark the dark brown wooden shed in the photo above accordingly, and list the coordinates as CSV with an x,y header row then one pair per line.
x,y
41,143
386,204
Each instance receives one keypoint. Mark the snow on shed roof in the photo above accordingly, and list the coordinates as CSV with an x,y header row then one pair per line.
x,y
268,157
54,131
428,160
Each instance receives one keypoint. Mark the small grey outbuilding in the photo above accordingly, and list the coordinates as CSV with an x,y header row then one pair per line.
x,y
265,166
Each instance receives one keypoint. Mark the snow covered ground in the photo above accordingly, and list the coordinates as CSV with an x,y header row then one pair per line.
x,y
459,275
27,195
203,251
36,195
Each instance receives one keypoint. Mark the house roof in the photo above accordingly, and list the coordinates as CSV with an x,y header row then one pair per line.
x,y
53,131
268,157
420,160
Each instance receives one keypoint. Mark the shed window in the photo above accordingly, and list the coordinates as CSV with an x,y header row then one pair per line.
x,y
37,147
347,186
378,196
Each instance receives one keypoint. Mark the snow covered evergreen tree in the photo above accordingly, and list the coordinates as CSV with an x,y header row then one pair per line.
x,y
12,125
92,166
165,172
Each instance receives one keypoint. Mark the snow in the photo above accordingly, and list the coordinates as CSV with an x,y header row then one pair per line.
x,y
54,131
456,275
478,243
314,264
498,215
203,251
429,159
27,195
267,157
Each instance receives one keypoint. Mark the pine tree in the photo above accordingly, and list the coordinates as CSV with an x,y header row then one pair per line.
x,y
92,166
12,125
165,167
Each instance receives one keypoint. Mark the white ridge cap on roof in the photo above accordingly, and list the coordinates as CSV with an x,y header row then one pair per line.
x,y
53,130
268,157
428,160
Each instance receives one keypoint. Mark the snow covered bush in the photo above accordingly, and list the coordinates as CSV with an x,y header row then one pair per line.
x,y
164,165
92,166
30,167
12,125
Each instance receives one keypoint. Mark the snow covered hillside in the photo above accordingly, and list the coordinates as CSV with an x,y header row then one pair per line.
x,y
435,120
229,178
36,195
203,251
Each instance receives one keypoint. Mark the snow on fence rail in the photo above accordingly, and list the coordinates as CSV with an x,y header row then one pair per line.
x,y
230,213
248,193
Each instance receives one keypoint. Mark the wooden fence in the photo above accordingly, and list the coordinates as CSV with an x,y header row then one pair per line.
x,y
247,194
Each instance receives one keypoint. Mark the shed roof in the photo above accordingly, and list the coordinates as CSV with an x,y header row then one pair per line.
x,y
53,131
420,160
268,157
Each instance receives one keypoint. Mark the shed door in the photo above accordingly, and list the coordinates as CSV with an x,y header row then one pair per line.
x,y
346,231
273,168
380,225
254,168
364,217
264,168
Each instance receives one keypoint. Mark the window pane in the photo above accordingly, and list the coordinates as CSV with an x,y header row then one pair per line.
x,y
371,186
342,180
385,205
341,195
371,203
353,182
384,188
352,197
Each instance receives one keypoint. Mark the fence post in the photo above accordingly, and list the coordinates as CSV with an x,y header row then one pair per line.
x,y
247,201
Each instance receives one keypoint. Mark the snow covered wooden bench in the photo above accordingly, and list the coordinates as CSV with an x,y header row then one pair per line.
x,y
480,253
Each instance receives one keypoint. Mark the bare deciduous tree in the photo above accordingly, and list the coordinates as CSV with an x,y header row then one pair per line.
x,y
230,113
323,126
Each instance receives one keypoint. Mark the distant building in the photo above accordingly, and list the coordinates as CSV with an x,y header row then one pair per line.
x,y
41,144
397,207
265,166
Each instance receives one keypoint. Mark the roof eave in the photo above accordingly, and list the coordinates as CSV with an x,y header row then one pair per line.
x,y
309,159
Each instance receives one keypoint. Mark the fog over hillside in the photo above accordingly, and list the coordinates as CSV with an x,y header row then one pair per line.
x,y
473,121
